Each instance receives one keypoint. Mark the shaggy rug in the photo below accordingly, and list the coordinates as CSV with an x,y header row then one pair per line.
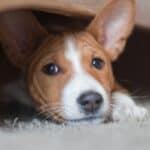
x,y
38,135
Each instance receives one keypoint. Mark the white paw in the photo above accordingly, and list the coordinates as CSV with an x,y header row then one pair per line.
x,y
124,108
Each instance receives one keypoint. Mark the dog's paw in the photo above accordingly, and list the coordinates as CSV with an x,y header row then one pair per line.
x,y
124,108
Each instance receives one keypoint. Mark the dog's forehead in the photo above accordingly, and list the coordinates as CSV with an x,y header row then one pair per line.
x,y
85,47
84,43
56,47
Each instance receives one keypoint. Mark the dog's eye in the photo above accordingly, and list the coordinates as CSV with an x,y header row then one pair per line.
x,y
51,69
97,63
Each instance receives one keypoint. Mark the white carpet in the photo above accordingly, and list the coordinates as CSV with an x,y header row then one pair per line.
x,y
130,135
122,136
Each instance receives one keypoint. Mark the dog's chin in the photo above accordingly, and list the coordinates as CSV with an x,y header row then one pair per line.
x,y
86,120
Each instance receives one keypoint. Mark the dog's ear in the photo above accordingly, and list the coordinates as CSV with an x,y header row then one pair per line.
x,y
113,24
20,34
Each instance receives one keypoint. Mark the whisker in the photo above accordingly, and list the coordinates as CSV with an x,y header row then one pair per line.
x,y
45,106
52,112
55,117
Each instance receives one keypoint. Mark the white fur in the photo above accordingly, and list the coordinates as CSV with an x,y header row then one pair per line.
x,y
125,108
79,83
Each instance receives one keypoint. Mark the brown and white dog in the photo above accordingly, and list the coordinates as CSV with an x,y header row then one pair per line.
x,y
69,75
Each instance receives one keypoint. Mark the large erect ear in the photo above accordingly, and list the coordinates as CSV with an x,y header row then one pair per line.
x,y
113,24
20,35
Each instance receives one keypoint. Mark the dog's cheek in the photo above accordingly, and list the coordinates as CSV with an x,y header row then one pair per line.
x,y
45,88
46,91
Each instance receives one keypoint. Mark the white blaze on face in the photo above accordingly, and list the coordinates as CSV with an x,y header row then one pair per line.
x,y
79,83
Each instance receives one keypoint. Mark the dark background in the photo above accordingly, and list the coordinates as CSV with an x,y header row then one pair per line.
x,y
133,67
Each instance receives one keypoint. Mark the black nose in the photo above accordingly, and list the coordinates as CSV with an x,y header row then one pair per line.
x,y
90,102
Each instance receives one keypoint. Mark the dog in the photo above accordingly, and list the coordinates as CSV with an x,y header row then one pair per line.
x,y
69,76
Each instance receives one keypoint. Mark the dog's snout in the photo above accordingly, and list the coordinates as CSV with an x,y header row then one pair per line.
x,y
90,102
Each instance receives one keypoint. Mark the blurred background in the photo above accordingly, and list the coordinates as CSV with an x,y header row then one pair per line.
x,y
132,69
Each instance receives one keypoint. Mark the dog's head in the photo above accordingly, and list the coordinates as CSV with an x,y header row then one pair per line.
x,y
70,75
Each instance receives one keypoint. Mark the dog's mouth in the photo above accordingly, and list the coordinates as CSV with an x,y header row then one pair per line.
x,y
95,119
88,120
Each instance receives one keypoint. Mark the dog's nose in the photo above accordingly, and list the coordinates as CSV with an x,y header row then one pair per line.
x,y
90,102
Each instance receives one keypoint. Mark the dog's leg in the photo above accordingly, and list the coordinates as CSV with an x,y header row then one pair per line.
x,y
124,108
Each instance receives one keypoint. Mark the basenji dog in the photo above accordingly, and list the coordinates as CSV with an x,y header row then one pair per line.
x,y
69,75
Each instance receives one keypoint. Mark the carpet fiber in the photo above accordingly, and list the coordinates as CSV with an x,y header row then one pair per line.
x,y
36,135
